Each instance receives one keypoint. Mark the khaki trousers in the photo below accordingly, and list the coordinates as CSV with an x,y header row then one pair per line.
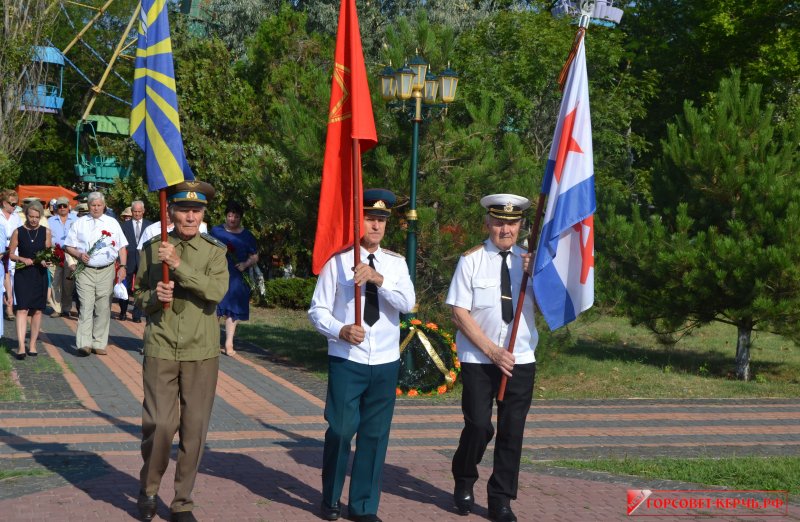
x,y
61,301
95,287
178,397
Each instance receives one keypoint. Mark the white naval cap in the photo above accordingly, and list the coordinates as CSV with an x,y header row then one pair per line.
x,y
505,206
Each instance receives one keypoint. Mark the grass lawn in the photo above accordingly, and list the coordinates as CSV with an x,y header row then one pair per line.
x,y
604,357
288,335
9,391
764,473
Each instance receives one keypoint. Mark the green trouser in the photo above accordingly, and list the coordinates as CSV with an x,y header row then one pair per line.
x,y
360,400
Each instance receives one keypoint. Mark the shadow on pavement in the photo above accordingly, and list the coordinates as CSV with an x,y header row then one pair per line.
x,y
396,479
85,470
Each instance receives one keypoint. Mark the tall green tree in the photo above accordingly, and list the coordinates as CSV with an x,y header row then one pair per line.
x,y
721,242
289,69
692,44
25,22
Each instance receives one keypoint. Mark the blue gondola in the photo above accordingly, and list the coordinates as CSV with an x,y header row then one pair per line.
x,y
46,96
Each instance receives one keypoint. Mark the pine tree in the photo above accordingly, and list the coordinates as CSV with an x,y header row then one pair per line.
x,y
721,241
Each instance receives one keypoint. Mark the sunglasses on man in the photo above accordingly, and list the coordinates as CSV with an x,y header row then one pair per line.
x,y
62,205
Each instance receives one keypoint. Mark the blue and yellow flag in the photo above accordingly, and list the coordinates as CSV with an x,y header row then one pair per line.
x,y
154,118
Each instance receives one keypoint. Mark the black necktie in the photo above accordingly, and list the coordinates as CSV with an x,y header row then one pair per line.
x,y
505,290
371,310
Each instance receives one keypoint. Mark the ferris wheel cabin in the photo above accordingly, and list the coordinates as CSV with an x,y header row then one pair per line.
x,y
46,96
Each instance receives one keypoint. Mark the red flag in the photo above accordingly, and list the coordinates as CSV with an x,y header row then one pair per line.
x,y
349,118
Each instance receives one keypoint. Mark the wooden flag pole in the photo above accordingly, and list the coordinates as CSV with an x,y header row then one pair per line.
x,y
162,200
533,239
356,223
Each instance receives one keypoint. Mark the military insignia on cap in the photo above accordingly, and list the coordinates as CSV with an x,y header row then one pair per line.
x,y
379,204
509,207
191,195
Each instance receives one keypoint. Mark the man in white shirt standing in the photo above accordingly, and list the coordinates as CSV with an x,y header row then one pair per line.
x,y
483,296
363,360
96,241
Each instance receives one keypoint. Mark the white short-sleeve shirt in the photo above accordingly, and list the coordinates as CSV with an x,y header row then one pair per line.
x,y
476,287
87,231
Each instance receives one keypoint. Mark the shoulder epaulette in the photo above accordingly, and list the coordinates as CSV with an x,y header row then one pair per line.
x,y
214,241
394,254
472,250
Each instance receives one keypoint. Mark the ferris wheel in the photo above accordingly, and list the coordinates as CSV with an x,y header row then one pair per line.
x,y
94,43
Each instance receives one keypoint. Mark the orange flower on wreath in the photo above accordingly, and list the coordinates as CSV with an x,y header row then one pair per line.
x,y
457,363
413,392
416,322
398,392
442,389
453,376
432,326
453,347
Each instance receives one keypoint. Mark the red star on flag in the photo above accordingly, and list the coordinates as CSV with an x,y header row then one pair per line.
x,y
566,144
586,230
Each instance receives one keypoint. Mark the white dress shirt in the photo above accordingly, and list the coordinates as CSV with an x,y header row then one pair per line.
x,y
10,223
86,231
476,287
333,306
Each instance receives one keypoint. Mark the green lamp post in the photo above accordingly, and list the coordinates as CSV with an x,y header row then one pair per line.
x,y
413,80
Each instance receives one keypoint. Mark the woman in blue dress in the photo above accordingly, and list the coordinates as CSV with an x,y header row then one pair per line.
x,y
242,254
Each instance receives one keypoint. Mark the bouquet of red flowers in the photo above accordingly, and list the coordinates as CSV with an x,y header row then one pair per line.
x,y
60,255
100,243
47,255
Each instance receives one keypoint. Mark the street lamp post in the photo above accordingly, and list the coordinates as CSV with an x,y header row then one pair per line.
x,y
413,80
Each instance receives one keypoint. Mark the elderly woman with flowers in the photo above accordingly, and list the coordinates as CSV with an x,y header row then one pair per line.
x,y
28,246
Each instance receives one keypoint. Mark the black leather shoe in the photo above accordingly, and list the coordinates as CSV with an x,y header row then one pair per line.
x,y
463,500
502,513
182,516
364,518
147,506
333,512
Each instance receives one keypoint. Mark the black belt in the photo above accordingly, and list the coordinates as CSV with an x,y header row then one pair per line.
x,y
99,267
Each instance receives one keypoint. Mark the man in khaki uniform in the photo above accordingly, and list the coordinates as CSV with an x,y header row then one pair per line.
x,y
181,346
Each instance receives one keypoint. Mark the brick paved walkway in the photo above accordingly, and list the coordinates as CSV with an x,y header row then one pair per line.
x,y
78,424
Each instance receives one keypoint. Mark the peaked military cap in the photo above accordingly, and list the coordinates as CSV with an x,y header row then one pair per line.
x,y
190,193
508,207
379,202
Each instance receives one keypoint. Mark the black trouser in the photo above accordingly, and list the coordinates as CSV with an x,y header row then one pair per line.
x,y
481,382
